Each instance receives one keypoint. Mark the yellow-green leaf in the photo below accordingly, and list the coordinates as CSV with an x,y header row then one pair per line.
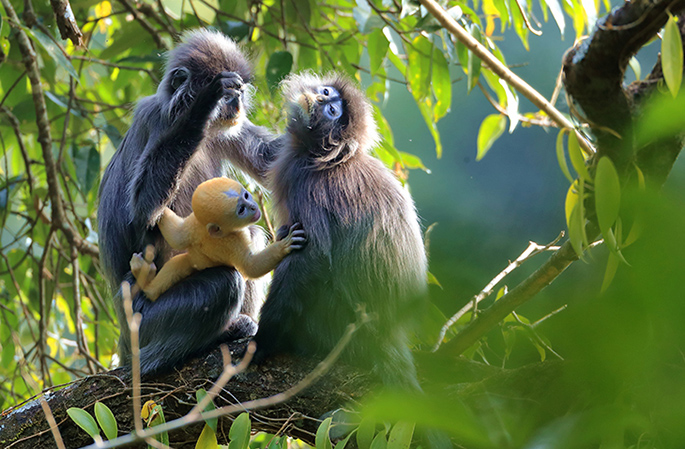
x,y
107,421
207,439
610,272
607,194
400,435
561,156
442,85
576,156
377,48
490,130
199,395
672,56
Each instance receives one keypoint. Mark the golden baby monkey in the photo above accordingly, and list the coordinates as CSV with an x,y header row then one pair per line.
x,y
215,233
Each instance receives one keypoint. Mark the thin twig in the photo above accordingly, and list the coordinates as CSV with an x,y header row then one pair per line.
x,y
52,423
533,249
134,326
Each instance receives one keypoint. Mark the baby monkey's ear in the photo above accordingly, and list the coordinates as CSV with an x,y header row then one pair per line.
x,y
214,230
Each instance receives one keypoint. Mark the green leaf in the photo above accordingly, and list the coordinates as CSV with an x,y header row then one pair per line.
x,y
53,50
442,85
322,440
365,433
379,442
426,112
490,130
8,354
342,443
107,421
473,61
239,434
672,56
377,48
607,194
87,166
576,156
199,395
419,67
207,439
610,272
561,156
279,66
432,280
84,420
401,435
412,161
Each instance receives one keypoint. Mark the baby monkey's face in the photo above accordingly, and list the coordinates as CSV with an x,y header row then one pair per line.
x,y
246,208
225,203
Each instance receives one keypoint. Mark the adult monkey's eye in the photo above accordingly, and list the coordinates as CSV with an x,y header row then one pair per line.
x,y
179,77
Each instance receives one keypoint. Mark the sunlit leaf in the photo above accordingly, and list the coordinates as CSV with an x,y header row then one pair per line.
x,y
239,434
207,439
576,156
84,420
107,421
419,67
377,47
561,156
432,280
558,14
442,85
490,130
672,56
607,194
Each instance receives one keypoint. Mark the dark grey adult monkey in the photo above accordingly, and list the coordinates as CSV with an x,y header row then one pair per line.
x,y
364,240
178,139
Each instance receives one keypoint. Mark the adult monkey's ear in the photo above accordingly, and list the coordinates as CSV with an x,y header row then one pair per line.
x,y
214,230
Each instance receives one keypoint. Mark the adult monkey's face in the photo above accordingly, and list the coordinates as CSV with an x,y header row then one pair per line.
x,y
199,59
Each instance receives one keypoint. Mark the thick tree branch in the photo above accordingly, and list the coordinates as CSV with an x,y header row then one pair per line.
x,y
66,22
594,72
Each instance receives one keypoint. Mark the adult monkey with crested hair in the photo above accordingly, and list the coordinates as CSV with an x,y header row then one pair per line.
x,y
364,242
178,139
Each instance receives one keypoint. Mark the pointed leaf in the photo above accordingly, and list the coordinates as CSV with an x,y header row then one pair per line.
x,y
53,50
342,443
379,442
576,156
561,156
555,7
401,435
442,85
473,61
84,420
612,267
107,421
199,395
365,433
672,56
377,48
322,440
239,434
490,130
607,194
207,439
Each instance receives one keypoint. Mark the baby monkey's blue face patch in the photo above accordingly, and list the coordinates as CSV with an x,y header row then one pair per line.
x,y
232,193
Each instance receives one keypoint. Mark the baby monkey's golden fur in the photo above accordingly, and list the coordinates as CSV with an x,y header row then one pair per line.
x,y
216,233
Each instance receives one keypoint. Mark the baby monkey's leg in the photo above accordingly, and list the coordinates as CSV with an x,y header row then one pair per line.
x,y
176,269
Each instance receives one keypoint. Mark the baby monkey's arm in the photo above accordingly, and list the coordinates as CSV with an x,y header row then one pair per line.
x,y
255,265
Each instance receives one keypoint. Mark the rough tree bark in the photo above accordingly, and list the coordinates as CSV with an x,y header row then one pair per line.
x,y
25,426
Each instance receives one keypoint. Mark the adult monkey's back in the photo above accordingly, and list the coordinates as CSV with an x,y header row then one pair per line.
x,y
176,141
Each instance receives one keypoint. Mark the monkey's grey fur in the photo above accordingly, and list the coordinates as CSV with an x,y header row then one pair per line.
x,y
178,139
364,247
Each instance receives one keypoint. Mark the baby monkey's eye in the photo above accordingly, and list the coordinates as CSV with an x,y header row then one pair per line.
x,y
326,91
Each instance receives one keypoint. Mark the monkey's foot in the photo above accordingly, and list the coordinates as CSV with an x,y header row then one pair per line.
x,y
142,270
